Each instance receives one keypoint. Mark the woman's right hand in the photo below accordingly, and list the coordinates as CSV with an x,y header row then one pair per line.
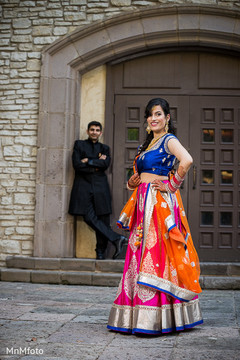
x,y
134,181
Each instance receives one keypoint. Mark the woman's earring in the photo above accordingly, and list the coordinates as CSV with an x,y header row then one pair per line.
x,y
148,130
166,127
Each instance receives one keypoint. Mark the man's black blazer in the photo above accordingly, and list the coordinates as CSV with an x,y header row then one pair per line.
x,y
90,182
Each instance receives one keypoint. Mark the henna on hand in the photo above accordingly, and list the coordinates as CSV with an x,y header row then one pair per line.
x,y
134,181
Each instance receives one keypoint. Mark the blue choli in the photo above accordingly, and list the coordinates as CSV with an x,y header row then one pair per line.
x,y
157,160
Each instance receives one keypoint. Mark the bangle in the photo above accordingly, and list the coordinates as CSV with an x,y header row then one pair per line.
x,y
175,183
129,187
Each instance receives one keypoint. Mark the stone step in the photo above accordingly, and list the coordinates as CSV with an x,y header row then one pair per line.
x,y
92,278
108,272
66,277
112,266
24,262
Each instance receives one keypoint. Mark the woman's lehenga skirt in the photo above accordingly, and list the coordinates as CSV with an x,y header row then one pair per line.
x,y
151,297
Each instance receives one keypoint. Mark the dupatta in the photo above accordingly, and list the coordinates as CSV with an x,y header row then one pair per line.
x,y
180,251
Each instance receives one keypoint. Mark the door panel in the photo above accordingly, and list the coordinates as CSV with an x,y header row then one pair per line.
x,y
214,180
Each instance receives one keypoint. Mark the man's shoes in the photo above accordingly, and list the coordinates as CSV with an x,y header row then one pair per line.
x,y
119,245
100,256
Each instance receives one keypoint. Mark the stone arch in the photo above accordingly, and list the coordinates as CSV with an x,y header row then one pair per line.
x,y
63,63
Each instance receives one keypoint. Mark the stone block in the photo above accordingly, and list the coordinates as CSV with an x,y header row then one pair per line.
x,y
221,282
157,24
23,198
34,55
33,65
188,21
25,47
8,223
27,4
61,30
25,140
18,56
92,5
44,40
76,278
21,38
213,268
24,230
78,2
42,31
75,16
47,263
43,21
29,74
57,94
9,246
77,264
45,277
10,108
28,222
27,245
214,23
9,231
54,167
6,200
14,150
51,241
15,275
121,2
233,269
53,202
51,14
22,262
115,266
61,58
55,130
105,279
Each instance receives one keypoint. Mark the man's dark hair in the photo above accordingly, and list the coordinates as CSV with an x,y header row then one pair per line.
x,y
95,123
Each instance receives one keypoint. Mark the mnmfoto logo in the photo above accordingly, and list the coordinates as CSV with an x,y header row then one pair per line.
x,y
24,351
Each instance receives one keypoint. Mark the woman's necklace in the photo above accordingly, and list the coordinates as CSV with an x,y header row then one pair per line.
x,y
154,140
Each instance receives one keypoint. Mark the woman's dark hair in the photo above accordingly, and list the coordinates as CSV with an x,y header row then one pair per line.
x,y
148,112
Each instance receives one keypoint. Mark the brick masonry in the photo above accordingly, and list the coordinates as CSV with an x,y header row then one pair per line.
x,y
26,28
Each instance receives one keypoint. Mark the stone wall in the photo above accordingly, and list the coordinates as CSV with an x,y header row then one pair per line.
x,y
26,27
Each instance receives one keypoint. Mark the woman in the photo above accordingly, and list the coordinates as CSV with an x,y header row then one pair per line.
x,y
158,290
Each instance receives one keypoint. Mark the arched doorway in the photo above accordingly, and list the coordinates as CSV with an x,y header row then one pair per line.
x,y
65,60
203,91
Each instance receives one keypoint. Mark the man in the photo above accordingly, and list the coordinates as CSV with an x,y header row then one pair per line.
x,y
90,196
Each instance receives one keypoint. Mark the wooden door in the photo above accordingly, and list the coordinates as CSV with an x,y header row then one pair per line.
x,y
214,193
203,92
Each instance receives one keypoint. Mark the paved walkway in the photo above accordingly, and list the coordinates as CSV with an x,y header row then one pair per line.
x,y
49,322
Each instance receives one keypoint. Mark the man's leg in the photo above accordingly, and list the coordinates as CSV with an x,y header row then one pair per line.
x,y
103,230
98,225
102,240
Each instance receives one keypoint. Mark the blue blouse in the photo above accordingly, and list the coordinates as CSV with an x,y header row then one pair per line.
x,y
157,160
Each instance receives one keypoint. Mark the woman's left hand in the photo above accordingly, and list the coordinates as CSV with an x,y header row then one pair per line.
x,y
159,185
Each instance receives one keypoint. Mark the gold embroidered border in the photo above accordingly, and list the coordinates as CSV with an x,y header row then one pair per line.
x,y
165,285
124,220
150,203
155,318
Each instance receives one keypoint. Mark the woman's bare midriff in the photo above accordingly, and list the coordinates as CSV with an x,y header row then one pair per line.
x,y
148,177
